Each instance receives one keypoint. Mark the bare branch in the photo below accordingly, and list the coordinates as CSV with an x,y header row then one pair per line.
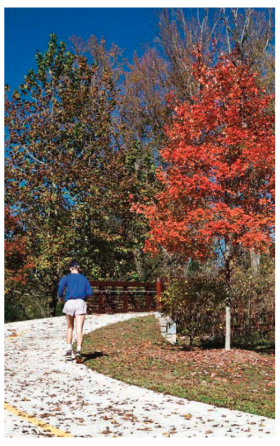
x,y
228,29
246,26
30,154
167,253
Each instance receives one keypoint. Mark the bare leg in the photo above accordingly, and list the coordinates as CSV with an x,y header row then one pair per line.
x,y
80,319
70,327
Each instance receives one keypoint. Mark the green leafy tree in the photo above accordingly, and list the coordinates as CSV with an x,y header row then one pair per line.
x,y
58,142
66,175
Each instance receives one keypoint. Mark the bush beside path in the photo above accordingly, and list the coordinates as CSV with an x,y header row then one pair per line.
x,y
47,397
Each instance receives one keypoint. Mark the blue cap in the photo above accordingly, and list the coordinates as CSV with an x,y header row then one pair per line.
x,y
74,264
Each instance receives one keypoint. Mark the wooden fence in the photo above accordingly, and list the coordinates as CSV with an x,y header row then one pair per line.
x,y
248,319
123,297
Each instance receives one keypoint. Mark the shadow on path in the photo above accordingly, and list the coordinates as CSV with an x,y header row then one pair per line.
x,y
88,356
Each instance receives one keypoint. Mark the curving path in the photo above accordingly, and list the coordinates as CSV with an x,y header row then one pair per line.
x,y
47,397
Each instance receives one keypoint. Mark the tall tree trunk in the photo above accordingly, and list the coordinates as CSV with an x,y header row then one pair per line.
x,y
228,315
255,261
138,264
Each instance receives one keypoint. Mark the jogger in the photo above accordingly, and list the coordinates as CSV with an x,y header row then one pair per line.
x,y
77,290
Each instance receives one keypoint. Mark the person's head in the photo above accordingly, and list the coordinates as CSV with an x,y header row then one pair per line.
x,y
74,267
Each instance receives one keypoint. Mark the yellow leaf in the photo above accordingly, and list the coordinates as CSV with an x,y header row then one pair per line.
x,y
188,416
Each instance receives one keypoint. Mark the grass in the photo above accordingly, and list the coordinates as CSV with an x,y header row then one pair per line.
x,y
134,351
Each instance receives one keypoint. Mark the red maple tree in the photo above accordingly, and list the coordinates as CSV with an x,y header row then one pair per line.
x,y
16,262
218,179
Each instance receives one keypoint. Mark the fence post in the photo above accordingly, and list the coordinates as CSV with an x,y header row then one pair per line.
x,y
158,290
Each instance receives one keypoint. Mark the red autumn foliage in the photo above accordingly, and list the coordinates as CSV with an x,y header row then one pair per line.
x,y
16,266
219,181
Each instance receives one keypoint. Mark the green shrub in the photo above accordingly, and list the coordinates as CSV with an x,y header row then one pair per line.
x,y
21,307
195,304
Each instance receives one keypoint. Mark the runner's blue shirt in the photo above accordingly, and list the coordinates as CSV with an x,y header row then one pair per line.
x,y
77,287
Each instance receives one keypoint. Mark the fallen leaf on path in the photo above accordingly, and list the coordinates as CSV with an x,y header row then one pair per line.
x,y
107,431
188,416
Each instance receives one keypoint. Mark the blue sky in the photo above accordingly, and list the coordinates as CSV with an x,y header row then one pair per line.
x,y
28,30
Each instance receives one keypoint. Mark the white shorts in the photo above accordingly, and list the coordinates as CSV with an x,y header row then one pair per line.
x,y
75,306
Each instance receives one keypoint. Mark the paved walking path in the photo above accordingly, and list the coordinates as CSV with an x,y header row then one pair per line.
x,y
48,397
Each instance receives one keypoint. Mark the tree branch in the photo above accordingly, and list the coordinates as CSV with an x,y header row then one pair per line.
x,y
30,154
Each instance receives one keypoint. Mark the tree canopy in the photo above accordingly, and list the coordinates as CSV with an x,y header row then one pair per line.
x,y
186,130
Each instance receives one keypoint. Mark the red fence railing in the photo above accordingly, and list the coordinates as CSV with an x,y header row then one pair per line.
x,y
124,297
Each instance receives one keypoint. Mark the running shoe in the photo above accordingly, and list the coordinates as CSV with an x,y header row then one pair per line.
x,y
69,355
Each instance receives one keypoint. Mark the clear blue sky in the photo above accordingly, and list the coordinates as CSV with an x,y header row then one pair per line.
x,y
28,30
